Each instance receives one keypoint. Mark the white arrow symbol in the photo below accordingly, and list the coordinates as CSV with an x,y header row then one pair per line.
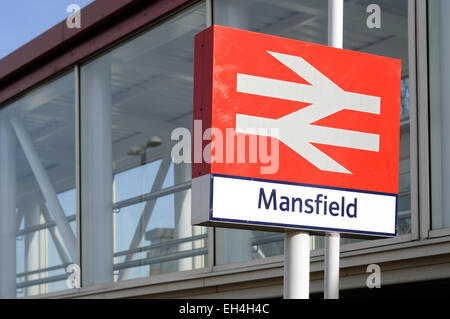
x,y
295,129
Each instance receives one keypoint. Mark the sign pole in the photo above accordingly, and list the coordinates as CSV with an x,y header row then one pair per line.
x,y
331,281
296,265
332,240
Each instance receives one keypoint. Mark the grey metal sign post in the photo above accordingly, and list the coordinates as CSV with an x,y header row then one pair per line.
x,y
332,240
297,244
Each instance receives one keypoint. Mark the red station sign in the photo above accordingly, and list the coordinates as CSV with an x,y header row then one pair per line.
x,y
332,114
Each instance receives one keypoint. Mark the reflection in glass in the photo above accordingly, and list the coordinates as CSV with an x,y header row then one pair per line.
x,y
439,70
307,21
136,203
391,40
37,190
291,19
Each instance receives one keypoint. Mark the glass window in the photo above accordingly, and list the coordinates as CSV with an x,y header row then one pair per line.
x,y
136,203
439,71
301,20
389,38
307,20
37,190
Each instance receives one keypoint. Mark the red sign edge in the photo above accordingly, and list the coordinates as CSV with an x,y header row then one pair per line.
x,y
203,82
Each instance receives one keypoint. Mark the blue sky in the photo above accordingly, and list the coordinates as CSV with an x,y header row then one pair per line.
x,y
23,20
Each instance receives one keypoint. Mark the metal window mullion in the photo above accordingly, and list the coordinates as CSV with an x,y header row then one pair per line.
x,y
413,127
209,13
77,165
423,149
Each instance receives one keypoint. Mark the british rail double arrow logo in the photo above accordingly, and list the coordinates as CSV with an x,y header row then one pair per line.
x,y
296,129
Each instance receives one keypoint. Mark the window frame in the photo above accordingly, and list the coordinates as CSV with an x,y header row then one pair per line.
x,y
427,230
30,90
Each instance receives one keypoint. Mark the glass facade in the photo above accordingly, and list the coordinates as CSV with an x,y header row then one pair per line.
x,y
301,20
136,203
307,21
37,187
390,39
133,202
439,70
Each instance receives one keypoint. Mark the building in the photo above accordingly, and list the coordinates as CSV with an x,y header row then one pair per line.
x,y
85,170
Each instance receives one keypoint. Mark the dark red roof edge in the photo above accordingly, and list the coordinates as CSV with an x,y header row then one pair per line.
x,y
102,23
53,38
